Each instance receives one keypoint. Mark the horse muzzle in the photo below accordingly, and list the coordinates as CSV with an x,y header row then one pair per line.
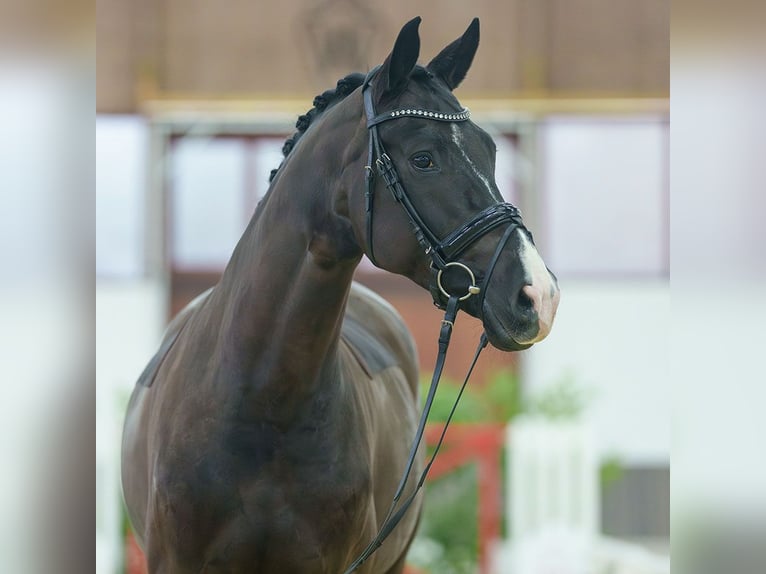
x,y
524,320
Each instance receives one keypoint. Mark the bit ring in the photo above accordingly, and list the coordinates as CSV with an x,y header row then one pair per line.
x,y
473,289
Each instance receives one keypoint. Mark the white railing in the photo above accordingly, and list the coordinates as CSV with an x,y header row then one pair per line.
x,y
553,477
553,507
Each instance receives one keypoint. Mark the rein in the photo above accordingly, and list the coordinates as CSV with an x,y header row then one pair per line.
x,y
443,254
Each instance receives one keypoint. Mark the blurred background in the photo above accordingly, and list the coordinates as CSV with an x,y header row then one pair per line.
x,y
559,460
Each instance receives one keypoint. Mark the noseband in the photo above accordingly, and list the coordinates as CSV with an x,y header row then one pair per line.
x,y
444,254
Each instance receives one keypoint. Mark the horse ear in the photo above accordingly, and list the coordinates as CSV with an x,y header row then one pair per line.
x,y
452,63
400,62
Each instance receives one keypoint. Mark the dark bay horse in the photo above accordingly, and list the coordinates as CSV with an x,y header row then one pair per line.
x,y
270,430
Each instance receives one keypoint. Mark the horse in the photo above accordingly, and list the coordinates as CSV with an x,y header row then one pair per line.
x,y
268,432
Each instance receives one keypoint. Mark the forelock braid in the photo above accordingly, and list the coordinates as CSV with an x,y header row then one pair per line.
x,y
321,103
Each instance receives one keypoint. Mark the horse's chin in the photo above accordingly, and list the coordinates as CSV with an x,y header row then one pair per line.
x,y
498,335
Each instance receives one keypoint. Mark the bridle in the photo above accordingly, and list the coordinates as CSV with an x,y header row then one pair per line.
x,y
444,254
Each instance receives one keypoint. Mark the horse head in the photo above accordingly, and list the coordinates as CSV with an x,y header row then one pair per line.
x,y
433,211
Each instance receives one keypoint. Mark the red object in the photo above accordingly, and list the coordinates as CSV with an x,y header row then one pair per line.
x,y
482,444
463,444
135,562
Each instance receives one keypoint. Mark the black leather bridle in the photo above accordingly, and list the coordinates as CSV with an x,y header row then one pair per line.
x,y
444,254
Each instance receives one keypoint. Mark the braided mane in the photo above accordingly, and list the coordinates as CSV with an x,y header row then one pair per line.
x,y
321,103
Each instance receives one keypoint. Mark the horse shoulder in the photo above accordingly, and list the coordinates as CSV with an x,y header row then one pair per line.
x,y
376,331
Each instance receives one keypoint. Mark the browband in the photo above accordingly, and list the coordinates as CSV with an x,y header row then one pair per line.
x,y
460,116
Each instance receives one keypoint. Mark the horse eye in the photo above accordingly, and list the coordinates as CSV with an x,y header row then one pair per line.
x,y
422,161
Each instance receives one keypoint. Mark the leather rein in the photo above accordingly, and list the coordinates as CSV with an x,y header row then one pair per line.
x,y
443,254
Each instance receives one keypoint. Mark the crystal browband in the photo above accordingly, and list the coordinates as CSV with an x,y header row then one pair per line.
x,y
460,116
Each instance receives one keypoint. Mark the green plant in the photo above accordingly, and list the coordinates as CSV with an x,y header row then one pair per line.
x,y
611,471
562,400
447,538
498,400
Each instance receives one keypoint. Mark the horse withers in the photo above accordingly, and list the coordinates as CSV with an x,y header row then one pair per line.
x,y
270,430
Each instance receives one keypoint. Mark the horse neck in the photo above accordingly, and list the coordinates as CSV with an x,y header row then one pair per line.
x,y
284,291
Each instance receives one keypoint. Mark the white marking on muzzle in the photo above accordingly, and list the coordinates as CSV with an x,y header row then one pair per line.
x,y
543,290
457,138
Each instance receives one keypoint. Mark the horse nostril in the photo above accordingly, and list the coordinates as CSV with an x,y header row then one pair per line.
x,y
524,302
529,300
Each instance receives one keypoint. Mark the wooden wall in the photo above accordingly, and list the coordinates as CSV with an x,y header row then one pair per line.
x,y
273,49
